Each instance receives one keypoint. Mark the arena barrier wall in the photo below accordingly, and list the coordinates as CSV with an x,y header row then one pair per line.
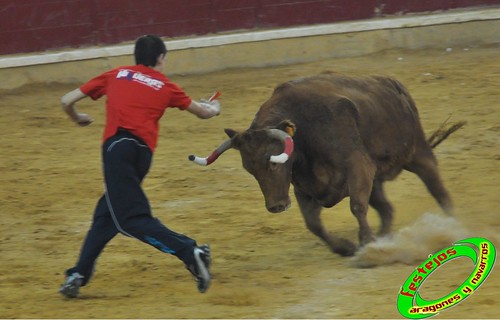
x,y
461,28
40,25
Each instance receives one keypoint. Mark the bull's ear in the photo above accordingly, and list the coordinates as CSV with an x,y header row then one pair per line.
x,y
230,132
235,138
287,126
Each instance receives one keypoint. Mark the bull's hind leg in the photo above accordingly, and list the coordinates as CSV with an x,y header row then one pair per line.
x,y
424,165
379,202
311,211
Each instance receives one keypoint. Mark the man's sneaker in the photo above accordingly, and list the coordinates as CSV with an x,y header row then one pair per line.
x,y
201,267
71,286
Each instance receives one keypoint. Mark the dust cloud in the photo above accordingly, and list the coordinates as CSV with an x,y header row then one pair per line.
x,y
429,234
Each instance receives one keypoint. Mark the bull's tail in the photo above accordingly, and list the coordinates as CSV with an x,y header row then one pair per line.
x,y
443,132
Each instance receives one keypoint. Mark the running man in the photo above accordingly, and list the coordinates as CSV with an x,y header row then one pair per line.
x,y
137,97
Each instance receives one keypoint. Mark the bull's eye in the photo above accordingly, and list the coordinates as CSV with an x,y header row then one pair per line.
x,y
273,166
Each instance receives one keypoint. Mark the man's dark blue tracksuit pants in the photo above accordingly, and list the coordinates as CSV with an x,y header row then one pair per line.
x,y
124,208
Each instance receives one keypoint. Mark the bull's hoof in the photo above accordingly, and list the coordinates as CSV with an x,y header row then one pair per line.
x,y
366,240
383,232
344,247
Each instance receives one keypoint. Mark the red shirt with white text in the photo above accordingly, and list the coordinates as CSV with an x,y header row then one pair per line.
x,y
137,97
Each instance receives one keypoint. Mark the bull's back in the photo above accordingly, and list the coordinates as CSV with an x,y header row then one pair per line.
x,y
377,98
388,117
387,122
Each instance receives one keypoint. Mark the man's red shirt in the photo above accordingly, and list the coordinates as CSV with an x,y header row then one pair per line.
x,y
137,97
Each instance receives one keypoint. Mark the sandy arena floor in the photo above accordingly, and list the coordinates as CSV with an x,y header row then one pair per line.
x,y
264,265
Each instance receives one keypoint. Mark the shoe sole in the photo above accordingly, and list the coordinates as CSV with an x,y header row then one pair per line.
x,y
205,274
69,291
71,288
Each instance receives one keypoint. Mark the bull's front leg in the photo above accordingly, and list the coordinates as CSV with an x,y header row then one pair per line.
x,y
380,203
360,181
311,211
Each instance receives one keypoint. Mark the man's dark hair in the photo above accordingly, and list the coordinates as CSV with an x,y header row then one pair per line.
x,y
147,50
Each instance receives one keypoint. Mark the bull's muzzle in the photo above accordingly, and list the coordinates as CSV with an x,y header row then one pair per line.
x,y
279,206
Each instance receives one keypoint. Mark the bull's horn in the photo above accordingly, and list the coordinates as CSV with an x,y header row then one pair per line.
x,y
287,140
211,158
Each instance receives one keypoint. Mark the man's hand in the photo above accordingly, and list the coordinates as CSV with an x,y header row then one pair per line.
x,y
83,119
205,109
68,105
215,106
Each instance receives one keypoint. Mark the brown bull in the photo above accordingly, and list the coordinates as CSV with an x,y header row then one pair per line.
x,y
334,136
